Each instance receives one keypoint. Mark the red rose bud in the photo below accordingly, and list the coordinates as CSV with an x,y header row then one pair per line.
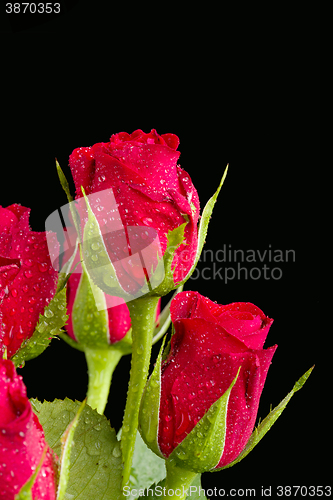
x,y
96,319
117,324
88,325
27,279
22,441
148,197
209,386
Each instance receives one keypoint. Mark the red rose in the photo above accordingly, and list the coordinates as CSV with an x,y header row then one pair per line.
x,y
151,193
210,343
27,279
22,441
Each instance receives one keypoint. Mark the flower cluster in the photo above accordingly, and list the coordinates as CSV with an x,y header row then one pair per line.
x,y
136,234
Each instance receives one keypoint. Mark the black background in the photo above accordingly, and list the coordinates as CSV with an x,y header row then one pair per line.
x,y
237,85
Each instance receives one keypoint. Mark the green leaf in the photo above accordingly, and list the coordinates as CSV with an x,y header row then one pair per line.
x,y
147,468
196,491
66,444
25,491
150,406
267,423
101,270
48,327
201,450
95,469
203,226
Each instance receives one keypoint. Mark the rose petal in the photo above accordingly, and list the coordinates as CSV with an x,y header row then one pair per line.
x,y
150,190
82,165
243,403
7,219
31,287
22,440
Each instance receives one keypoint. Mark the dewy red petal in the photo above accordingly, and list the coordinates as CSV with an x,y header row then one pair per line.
x,y
7,220
211,342
22,441
26,253
150,190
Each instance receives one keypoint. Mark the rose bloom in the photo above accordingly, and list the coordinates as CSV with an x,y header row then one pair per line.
x,y
22,441
210,343
151,196
27,279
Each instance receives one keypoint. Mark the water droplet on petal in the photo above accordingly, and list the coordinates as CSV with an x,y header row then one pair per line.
x,y
43,266
183,424
147,221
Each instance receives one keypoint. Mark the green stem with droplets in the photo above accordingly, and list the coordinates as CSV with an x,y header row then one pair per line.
x,y
101,365
142,312
177,481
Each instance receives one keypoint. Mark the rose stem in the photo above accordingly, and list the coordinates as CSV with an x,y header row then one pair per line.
x,y
142,312
177,481
101,364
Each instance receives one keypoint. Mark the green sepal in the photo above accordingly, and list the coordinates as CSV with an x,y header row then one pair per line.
x,y
90,318
164,319
175,239
203,226
64,336
201,450
65,272
267,423
164,267
63,182
95,467
150,407
25,491
66,447
71,202
125,344
49,326
90,315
